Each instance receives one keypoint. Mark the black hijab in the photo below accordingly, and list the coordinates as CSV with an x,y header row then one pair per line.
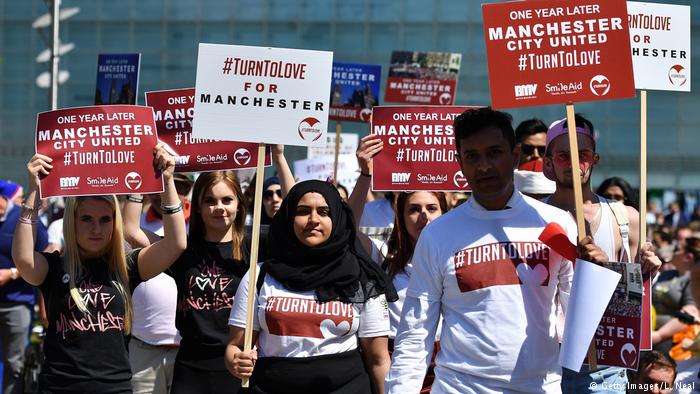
x,y
338,269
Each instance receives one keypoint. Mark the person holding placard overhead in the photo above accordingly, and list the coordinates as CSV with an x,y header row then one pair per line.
x,y
482,267
207,275
415,210
319,299
613,226
88,287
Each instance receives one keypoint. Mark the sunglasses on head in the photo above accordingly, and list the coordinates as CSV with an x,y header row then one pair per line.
x,y
564,158
528,149
270,193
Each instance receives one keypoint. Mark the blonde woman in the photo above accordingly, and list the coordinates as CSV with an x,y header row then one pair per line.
x,y
88,287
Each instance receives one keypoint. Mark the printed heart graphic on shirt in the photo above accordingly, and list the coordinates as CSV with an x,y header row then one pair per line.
x,y
202,282
329,329
628,354
531,276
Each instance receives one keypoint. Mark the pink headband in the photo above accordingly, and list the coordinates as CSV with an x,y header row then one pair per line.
x,y
557,128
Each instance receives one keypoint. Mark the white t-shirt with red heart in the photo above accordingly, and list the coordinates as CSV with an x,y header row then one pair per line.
x,y
494,283
293,324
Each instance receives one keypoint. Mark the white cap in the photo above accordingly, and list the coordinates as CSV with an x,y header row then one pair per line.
x,y
531,182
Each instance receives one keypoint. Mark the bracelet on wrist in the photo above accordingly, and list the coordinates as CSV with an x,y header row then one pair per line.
x,y
367,174
29,208
137,200
27,220
14,274
171,209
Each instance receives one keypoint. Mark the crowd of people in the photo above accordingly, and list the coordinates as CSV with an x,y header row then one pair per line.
x,y
149,294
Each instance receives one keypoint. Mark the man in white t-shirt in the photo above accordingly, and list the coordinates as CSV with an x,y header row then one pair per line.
x,y
483,268
613,226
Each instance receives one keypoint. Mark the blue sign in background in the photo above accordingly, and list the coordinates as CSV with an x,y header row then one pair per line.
x,y
354,86
117,78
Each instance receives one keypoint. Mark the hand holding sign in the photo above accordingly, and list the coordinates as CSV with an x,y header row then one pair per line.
x,y
589,251
163,162
243,364
39,165
369,147
650,261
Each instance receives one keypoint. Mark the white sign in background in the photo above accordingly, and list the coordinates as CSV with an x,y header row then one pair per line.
x,y
660,39
263,95
321,168
348,146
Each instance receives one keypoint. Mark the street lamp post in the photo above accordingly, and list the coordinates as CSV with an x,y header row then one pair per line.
x,y
54,54
52,78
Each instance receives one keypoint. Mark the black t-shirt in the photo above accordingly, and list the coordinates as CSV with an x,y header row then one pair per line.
x,y
207,278
86,353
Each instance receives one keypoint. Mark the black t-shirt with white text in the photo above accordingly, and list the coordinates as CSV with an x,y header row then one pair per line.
x,y
86,352
207,278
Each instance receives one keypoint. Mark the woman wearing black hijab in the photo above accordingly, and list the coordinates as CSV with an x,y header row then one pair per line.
x,y
317,293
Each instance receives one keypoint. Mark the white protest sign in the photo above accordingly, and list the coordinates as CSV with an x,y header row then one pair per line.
x,y
660,39
263,95
348,146
590,294
321,168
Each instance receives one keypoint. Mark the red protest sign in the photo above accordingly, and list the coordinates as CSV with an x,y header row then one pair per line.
x,y
618,336
423,77
557,51
419,149
98,150
174,111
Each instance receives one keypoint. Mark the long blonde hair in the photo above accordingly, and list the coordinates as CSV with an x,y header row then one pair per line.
x,y
115,255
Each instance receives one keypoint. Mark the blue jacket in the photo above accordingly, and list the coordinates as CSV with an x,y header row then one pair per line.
x,y
17,290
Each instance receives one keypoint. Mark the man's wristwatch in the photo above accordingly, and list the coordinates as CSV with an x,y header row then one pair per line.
x,y
14,274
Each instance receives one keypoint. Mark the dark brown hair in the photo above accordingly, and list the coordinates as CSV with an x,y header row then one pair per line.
x,y
692,246
204,183
656,359
400,246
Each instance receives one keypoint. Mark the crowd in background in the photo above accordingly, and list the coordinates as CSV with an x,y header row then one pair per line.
x,y
674,231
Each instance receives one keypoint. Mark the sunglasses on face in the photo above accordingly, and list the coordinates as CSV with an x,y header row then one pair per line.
x,y
616,197
528,149
270,193
564,158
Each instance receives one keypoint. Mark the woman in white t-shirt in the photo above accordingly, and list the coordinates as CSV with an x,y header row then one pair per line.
x,y
319,296
414,211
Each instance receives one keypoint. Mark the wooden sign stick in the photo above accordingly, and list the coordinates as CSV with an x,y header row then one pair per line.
x,y
578,196
252,270
338,130
643,171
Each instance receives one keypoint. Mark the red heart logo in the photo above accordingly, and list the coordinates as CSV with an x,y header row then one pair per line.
x,y
133,180
365,114
460,180
600,85
628,354
310,128
241,156
445,98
